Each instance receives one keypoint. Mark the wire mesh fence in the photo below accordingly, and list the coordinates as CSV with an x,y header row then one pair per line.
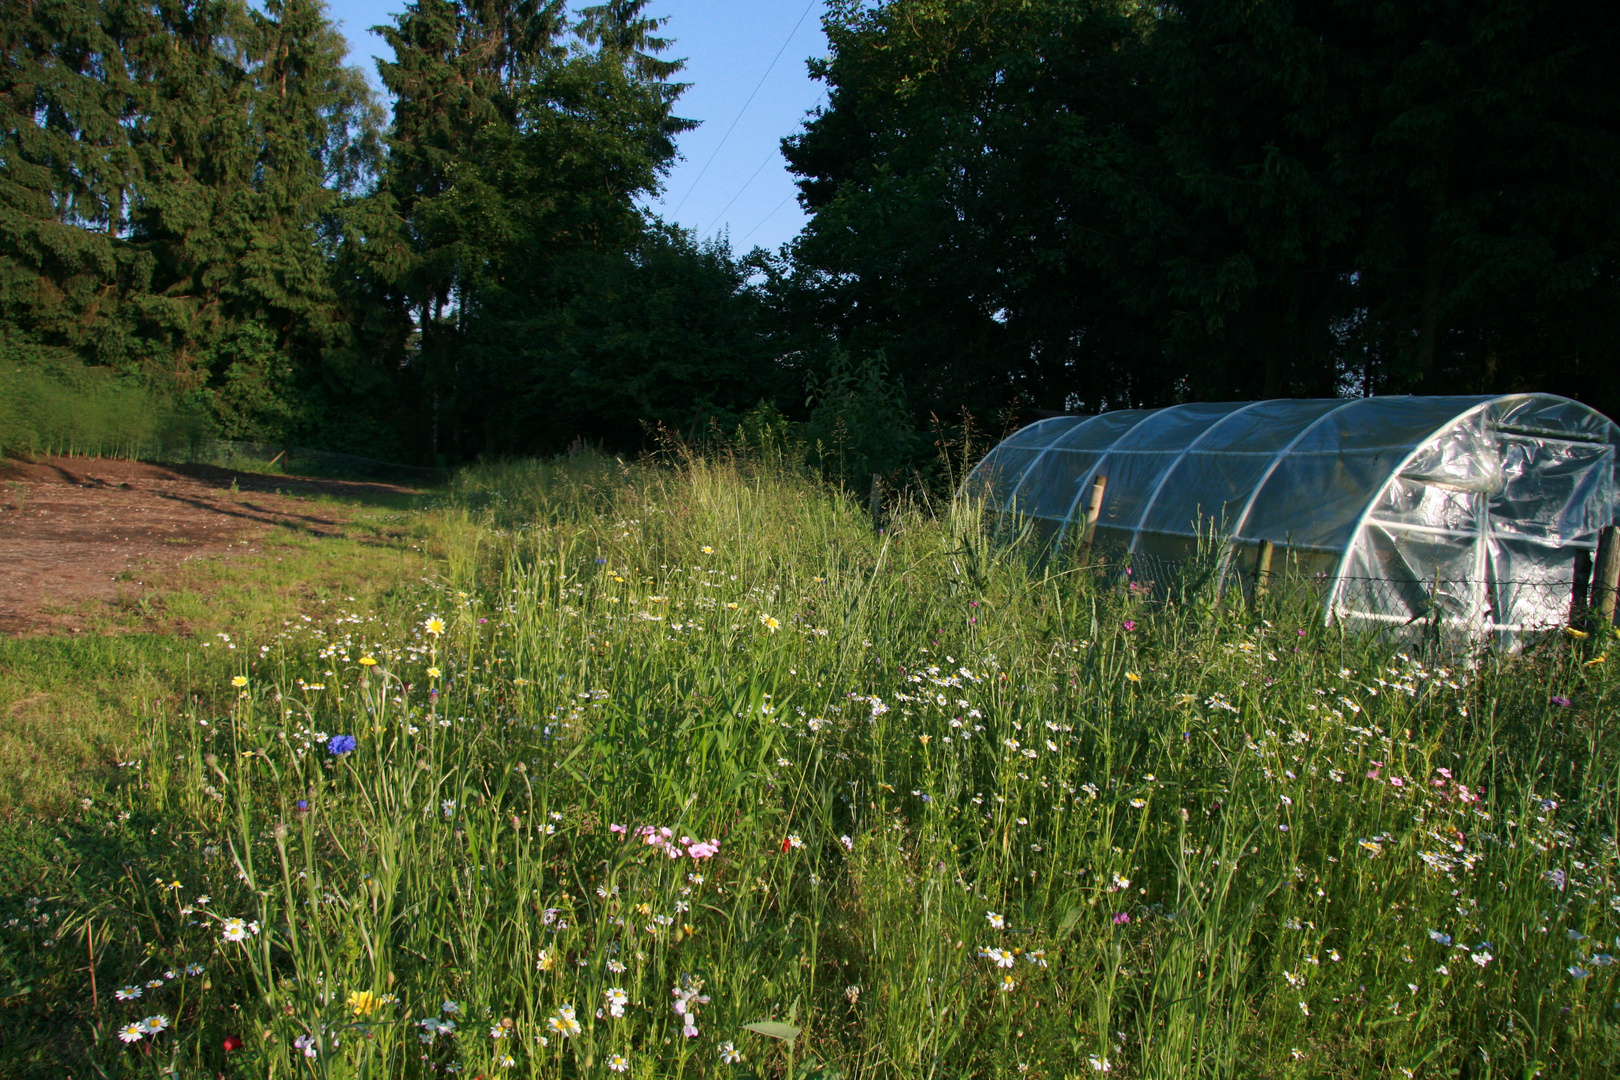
x,y
300,461
257,457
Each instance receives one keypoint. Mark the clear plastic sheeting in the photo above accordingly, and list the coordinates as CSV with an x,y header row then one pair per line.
x,y
1465,512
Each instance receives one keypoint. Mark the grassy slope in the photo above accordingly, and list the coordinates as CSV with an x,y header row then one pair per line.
x,y
972,820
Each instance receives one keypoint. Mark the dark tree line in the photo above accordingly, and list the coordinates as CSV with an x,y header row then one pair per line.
x,y
200,194
1045,204
1096,203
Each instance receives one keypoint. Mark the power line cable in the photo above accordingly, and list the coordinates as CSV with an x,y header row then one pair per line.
x,y
744,108
766,218
710,226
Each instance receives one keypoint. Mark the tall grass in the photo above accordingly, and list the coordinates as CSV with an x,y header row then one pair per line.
x,y
62,407
971,819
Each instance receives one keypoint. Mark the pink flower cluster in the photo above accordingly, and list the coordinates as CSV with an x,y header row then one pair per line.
x,y
687,999
1460,792
663,839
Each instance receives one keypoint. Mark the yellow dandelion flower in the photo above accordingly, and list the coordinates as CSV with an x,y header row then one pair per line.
x,y
1578,635
368,661
1133,676
364,1002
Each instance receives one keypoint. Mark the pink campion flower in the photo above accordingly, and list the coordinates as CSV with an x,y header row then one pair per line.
x,y
617,828
687,999
1396,781
1120,918
1444,772
704,849
1129,625
1559,700
1465,795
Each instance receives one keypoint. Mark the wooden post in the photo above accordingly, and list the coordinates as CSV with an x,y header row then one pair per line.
x,y
1262,567
1093,511
1608,573
1582,586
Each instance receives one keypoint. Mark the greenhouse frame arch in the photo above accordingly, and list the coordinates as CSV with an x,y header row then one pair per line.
x,y
1473,512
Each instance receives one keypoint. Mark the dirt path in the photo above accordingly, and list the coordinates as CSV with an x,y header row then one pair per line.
x,y
74,530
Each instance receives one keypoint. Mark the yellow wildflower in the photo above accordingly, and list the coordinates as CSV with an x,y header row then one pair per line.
x,y
363,1002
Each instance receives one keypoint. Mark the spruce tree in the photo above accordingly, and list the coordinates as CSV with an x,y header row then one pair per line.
x,y
66,170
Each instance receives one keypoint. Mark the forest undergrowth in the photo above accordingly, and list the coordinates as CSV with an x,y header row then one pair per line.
x,y
684,771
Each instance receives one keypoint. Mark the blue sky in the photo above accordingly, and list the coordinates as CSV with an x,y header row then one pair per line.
x,y
736,182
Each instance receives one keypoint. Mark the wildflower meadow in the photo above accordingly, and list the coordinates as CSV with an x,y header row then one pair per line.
x,y
683,770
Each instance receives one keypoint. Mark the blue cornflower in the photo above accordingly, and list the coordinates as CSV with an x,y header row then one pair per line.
x,y
340,744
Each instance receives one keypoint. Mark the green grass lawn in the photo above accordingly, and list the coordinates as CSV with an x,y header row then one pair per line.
x,y
602,770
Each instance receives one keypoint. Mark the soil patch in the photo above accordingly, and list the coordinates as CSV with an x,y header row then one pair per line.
x,y
74,530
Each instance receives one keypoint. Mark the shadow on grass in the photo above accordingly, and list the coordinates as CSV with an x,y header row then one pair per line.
x,y
84,914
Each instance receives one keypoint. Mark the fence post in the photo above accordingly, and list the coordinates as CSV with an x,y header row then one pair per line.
x,y
1582,586
1093,511
1262,568
1608,573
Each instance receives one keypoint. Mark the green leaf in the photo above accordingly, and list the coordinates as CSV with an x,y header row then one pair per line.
x,y
774,1028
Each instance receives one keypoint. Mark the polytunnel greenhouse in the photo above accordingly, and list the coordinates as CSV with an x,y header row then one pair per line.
x,y
1475,513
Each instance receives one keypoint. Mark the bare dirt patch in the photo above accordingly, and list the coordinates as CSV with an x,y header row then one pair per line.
x,y
78,530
